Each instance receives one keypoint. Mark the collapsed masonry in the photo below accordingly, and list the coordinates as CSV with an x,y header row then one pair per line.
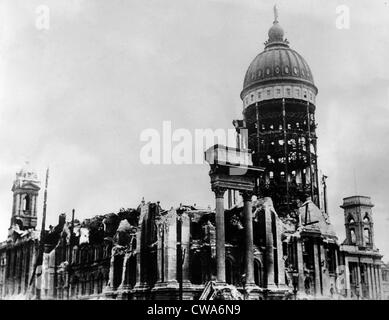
x,y
134,255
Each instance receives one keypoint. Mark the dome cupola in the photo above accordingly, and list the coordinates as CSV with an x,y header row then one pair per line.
x,y
278,65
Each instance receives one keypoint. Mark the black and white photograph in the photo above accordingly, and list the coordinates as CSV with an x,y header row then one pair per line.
x,y
198,150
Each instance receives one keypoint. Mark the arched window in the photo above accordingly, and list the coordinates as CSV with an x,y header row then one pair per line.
x,y
83,287
75,287
351,220
100,283
353,236
229,272
132,271
91,285
366,218
117,270
26,203
258,273
196,270
366,235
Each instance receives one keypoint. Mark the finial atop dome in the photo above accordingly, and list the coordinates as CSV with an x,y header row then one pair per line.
x,y
275,13
276,33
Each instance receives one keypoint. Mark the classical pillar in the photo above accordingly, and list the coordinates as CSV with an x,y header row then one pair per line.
x,y
325,283
160,247
170,249
185,234
280,256
124,284
23,270
376,282
17,204
369,282
35,211
300,263
381,289
316,259
139,270
248,223
220,235
269,250
111,271
372,283
336,261
359,282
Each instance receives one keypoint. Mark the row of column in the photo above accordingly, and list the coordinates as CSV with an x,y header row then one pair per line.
x,y
166,248
220,237
374,279
18,270
321,277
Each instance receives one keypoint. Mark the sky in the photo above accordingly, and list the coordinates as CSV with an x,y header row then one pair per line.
x,y
77,96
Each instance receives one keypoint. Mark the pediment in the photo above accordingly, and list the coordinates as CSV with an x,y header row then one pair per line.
x,y
28,185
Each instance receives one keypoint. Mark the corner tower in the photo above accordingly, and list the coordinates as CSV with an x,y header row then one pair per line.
x,y
358,221
25,193
279,114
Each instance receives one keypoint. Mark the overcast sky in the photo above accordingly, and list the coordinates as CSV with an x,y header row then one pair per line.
x,y
76,97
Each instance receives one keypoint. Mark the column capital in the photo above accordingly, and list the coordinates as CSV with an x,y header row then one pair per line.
x,y
247,195
219,191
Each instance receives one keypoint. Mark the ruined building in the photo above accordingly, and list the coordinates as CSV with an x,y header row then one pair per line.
x,y
276,242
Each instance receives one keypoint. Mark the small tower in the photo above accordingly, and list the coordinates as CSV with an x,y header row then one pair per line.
x,y
358,219
25,193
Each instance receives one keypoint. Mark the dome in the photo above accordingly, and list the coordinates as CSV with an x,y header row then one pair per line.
x,y
278,63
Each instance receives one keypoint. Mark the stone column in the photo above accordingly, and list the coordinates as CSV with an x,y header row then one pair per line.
x,y
109,287
336,262
373,282
280,255
124,284
51,275
17,204
139,282
381,289
316,259
220,235
376,282
359,283
32,205
324,272
367,272
248,223
185,235
170,249
347,278
300,263
160,247
35,211
24,269
269,250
